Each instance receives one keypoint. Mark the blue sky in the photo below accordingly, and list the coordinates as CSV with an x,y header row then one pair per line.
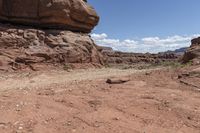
x,y
146,25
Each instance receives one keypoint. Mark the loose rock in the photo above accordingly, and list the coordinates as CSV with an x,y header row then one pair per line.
x,y
117,80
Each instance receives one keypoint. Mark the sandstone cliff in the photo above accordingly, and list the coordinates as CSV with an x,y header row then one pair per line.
x,y
74,15
193,52
22,45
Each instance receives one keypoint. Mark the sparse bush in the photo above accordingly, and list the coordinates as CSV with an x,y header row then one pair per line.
x,y
67,67
107,65
175,64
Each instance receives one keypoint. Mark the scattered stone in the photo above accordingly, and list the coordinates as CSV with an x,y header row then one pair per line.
x,y
20,128
47,92
185,74
182,75
189,118
69,123
148,73
85,92
117,80
2,124
116,118
94,103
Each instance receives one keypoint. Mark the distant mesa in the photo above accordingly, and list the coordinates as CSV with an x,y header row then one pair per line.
x,y
178,52
76,15
118,57
181,51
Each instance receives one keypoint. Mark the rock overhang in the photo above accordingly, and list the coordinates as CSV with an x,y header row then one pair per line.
x,y
75,15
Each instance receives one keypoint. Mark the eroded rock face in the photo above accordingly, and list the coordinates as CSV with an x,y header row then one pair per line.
x,y
117,57
193,53
21,48
74,15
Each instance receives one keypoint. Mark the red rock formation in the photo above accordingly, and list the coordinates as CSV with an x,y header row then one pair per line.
x,y
74,15
193,53
116,57
25,47
22,47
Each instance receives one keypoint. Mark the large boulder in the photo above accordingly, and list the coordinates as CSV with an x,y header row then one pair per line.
x,y
74,15
193,52
22,48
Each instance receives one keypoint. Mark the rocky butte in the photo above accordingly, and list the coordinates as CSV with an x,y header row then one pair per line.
x,y
193,52
34,33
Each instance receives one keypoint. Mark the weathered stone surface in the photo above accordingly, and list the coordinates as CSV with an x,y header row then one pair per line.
x,y
25,47
74,15
193,53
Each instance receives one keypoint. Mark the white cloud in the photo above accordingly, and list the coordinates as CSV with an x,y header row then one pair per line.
x,y
147,44
99,36
116,44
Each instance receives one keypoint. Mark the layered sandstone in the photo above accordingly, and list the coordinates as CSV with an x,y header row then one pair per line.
x,y
39,33
74,15
26,47
193,52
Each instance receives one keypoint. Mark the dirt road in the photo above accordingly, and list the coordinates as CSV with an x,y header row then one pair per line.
x,y
153,101
52,78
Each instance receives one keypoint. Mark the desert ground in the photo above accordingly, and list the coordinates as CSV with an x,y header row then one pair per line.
x,y
61,74
80,101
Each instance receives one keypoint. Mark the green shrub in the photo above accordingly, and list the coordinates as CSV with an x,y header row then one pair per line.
x,y
175,64
67,67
